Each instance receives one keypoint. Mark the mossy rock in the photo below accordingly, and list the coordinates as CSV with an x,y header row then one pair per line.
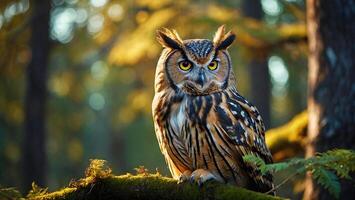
x,y
148,186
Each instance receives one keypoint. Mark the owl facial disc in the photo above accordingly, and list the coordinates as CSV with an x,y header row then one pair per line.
x,y
196,66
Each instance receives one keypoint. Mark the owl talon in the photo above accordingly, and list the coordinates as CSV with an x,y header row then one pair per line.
x,y
180,180
200,176
184,177
199,183
192,179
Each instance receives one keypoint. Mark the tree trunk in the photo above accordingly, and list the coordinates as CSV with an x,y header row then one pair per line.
x,y
258,68
331,94
117,150
34,144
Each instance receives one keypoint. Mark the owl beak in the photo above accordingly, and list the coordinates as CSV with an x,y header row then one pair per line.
x,y
201,78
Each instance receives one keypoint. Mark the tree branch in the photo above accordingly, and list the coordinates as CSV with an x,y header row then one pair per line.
x,y
289,139
149,186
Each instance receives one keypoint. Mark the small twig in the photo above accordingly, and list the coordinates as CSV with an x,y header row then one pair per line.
x,y
283,182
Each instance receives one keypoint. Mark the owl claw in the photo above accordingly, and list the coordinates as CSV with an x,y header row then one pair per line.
x,y
200,176
199,183
192,179
184,176
180,180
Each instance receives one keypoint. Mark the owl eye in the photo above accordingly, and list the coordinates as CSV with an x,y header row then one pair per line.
x,y
213,65
185,65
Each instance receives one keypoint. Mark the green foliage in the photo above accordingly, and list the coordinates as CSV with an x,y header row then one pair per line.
x,y
325,167
328,180
340,160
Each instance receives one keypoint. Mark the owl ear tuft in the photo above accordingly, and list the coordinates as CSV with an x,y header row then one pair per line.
x,y
169,39
223,40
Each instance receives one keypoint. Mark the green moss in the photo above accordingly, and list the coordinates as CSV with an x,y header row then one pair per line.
x,y
99,183
150,187
289,139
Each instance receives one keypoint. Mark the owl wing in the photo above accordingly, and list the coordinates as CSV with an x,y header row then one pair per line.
x,y
245,129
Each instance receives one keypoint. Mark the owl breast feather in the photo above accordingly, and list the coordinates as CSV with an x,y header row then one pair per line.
x,y
178,118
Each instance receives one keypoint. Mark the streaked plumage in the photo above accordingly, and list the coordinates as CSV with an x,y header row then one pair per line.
x,y
203,125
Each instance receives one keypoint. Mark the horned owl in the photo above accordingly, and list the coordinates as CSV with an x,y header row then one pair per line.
x,y
203,125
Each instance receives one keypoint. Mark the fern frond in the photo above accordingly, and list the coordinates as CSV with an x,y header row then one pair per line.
x,y
252,159
342,161
275,167
257,161
328,180
325,167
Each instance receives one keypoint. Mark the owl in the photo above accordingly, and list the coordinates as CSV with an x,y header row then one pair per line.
x,y
203,125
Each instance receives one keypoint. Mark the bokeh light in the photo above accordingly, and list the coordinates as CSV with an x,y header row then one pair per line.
x,y
99,70
1,20
115,12
97,101
81,16
279,75
98,3
10,11
271,7
95,23
62,22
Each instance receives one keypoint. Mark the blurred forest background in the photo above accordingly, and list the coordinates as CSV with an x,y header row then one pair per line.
x,y
98,86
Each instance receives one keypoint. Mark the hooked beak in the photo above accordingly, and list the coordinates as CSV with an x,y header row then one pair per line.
x,y
201,78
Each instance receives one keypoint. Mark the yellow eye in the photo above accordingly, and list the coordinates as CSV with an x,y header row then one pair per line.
x,y
213,65
185,65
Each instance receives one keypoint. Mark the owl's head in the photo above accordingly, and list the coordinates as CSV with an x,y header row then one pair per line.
x,y
195,66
